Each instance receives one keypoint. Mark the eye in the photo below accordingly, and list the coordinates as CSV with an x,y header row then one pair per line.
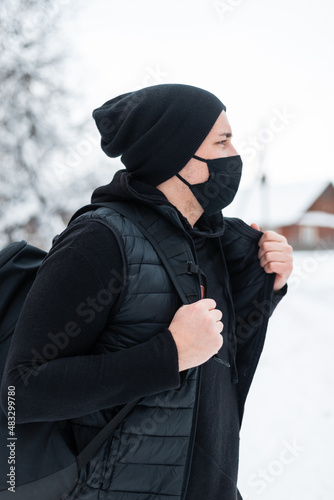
x,y
223,142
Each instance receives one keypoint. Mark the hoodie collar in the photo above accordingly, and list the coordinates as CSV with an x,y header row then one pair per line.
x,y
124,187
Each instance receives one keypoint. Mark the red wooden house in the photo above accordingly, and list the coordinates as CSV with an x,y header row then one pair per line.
x,y
315,227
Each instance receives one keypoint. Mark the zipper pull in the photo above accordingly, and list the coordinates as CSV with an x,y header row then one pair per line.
x,y
221,361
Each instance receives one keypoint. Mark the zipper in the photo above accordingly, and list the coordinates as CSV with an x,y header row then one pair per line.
x,y
190,248
221,361
232,343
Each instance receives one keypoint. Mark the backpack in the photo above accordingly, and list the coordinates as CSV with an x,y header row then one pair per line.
x,y
23,469
54,475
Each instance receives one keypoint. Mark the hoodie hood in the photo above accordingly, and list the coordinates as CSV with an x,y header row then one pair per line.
x,y
124,187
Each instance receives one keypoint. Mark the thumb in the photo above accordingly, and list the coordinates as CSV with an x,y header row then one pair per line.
x,y
255,226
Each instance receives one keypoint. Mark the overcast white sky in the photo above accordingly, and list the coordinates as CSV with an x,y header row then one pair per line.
x,y
270,62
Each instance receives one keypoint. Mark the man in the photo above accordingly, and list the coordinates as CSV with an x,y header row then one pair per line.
x,y
105,300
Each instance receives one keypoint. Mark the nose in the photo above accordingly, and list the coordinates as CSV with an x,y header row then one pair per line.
x,y
233,151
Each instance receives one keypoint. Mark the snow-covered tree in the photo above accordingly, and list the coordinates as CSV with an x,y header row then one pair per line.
x,y
34,115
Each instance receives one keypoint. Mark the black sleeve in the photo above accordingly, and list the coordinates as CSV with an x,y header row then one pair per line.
x,y
50,361
278,296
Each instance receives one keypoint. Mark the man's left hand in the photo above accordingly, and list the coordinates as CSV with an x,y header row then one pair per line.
x,y
275,256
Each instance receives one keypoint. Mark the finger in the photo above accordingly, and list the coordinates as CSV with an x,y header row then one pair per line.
x,y
219,326
216,314
209,304
273,257
255,226
274,246
271,236
281,268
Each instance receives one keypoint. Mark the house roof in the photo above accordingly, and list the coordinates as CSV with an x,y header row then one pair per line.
x,y
319,219
275,205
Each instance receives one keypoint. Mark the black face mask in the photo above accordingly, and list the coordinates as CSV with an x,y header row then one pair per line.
x,y
220,189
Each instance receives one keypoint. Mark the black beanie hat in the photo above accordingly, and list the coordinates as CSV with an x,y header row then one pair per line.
x,y
157,129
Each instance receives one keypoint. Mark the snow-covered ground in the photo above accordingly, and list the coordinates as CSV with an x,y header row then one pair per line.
x,y
287,437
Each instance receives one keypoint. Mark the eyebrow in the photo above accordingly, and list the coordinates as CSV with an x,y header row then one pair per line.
x,y
226,134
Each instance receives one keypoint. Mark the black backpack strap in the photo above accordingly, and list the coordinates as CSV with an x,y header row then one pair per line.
x,y
93,446
165,241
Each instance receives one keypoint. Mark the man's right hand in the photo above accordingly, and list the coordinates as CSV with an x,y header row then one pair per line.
x,y
196,329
